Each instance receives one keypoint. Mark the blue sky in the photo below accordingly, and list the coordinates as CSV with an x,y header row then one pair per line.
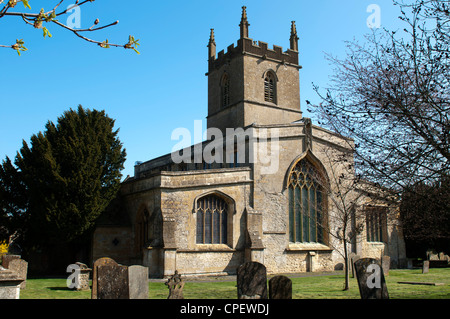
x,y
164,87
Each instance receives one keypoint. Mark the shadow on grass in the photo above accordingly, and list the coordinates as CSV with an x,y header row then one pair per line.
x,y
60,288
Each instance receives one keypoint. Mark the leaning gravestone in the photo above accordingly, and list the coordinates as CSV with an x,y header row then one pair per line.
x,y
426,267
252,281
371,282
280,287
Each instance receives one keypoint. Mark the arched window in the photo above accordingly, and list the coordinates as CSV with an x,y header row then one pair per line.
x,y
307,208
225,94
212,220
270,88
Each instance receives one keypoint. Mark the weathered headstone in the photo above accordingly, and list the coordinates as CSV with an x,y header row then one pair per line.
x,y
109,280
97,263
20,266
386,264
371,282
175,284
252,281
138,282
425,267
280,287
112,282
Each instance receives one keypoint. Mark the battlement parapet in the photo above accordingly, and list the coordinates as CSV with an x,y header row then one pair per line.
x,y
255,48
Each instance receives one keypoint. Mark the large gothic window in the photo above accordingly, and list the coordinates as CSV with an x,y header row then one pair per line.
x,y
306,204
376,225
269,88
212,220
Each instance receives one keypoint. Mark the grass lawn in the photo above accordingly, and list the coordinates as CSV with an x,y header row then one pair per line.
x,y
308,287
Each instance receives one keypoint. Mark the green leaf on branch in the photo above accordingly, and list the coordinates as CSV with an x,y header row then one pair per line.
x,y
132,44
104,44
46,32
25,4
19,46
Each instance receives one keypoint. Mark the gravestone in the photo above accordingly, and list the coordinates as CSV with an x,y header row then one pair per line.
x,y
353,258
371,282
280,287
252,281
20,266
97,263
112,282
138,282
386,264
175,284
109,280
426,267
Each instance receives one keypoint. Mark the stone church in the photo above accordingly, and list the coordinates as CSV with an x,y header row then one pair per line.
x,y
269,187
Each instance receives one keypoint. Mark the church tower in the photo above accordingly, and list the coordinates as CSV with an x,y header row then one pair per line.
x,y
251,83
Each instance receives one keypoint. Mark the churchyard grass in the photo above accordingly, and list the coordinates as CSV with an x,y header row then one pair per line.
x,y
317,286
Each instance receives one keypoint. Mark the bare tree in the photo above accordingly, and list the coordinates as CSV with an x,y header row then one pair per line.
x,y
39,19
390,94
341,214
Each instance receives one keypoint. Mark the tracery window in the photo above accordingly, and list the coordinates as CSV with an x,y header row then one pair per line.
x,y
307,209
376,223
212,220
269,88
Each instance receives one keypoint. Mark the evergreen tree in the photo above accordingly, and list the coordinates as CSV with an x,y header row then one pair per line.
x,y
70,174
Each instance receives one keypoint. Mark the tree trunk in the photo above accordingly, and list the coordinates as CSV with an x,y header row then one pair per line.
x,y
346,267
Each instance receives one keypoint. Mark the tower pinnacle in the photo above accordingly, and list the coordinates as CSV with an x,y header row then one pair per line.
x,y
212,46
244,23
294,37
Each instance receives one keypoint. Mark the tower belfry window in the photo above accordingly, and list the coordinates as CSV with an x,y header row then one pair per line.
x,y
225,91
269,88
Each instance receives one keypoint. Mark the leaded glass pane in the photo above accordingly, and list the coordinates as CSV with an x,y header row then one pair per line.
x,y
291,215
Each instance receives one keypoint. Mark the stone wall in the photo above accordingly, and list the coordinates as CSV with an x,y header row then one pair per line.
x,y
113,242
